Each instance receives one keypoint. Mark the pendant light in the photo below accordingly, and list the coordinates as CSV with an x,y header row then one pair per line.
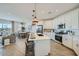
x,y
35,20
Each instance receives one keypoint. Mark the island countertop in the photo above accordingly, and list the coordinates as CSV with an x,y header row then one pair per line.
x,y
34,36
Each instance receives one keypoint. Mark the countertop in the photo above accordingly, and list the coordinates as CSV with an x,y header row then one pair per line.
x,y
34,36
22,32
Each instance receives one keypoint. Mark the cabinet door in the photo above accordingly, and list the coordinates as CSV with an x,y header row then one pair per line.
x,y
55,23
64,40
68,20
67,41
70,42
76,45
42,48
75,19
53,36
61,20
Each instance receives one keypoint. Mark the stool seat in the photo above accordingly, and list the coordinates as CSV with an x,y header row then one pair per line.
x,y
29,48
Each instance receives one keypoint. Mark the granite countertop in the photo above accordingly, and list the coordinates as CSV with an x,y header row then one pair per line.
x,y
34,36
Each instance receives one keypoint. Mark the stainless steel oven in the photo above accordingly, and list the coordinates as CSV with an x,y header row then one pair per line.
x,y
58,38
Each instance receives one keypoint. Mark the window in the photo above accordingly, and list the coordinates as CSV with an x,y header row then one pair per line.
x,y
0,26
9,26
5,28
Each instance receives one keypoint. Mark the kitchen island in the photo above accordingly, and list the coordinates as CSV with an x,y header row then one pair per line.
x,y
41,44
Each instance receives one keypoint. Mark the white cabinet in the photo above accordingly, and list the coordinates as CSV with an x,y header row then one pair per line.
x,y
71,42
54,23
68,20
42,47
71,19
57,21
53,36
76,44
75,20
60,20
67,41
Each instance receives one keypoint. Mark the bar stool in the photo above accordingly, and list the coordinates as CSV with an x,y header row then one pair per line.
x,y
29,50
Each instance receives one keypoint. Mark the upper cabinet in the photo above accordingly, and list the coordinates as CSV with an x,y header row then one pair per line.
x,y
55,23
70,19
75,19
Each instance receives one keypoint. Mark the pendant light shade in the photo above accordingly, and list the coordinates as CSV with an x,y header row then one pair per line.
x,y
34,20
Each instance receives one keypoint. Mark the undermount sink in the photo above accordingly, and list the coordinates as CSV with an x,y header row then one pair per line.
x,y
40,34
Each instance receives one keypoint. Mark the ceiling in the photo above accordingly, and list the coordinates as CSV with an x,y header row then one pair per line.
x,y
23,11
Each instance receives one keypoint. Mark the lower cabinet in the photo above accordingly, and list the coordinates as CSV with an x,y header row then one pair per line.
x,y
71,42
76,45
53,36
42,47
67,41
